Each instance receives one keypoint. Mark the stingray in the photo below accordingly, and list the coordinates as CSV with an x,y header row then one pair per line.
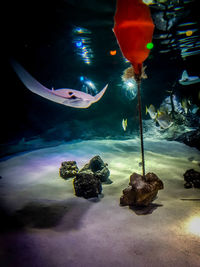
x,y
187,80
68,97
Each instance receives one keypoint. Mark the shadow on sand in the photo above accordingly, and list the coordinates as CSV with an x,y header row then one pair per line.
x,y
145,210
46,214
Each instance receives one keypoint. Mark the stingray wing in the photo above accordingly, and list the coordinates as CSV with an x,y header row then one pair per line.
x,y
33,85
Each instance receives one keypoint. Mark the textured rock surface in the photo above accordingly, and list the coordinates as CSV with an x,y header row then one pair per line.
x,y
141,192
87,185
192,179
98,167
68,169
87,182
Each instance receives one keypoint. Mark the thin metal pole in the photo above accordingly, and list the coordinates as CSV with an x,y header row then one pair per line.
x,y
141,128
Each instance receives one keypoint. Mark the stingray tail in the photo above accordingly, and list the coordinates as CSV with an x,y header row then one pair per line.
x,y
100,94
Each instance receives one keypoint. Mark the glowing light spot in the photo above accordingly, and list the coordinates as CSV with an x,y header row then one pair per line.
x,y
150,46
113,52
89,83
189,33
81,78
79,44
79,30
129,84
194,225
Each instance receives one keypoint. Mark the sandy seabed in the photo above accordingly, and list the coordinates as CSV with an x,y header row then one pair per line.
x,y
45,224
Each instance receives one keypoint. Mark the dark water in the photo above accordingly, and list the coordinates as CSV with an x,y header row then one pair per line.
x,y
41,36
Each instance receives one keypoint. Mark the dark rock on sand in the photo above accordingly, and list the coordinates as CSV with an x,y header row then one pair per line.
x,y
192,179
141,191
68,169
87,185
87,182
188,185
98,167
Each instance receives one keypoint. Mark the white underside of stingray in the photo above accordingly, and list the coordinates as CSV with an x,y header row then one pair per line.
x,y
187,80
68,97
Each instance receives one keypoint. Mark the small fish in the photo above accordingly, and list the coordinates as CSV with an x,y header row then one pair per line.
x,y
164,120
124,124
68,97
152,111
187,80
185,105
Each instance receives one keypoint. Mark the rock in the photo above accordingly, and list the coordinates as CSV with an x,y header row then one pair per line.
x,y
128,197
87,185
85,168
87,182
141,192
98,167
192,178
103,174
191,138
68,169
196,184
188,185
96,163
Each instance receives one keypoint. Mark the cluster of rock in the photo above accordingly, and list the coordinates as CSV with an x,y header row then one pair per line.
x,y
68,169
192,179
87,181
141,190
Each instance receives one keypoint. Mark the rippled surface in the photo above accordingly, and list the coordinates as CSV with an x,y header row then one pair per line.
x,y
177,28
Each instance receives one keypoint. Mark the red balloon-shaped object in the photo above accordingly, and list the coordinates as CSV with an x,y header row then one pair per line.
x,y
134,30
